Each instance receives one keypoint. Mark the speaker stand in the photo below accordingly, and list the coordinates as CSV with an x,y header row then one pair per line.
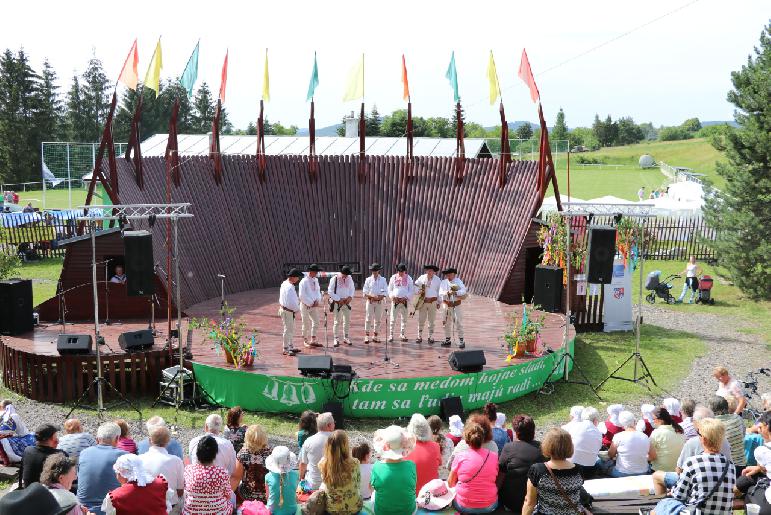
x,y
99,383
386,361
560,364
640,376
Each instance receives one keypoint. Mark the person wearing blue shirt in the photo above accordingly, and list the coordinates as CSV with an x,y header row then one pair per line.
x,y
95,474
174,448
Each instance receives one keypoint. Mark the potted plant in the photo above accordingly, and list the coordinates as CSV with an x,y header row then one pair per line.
x,y
231,336
524,333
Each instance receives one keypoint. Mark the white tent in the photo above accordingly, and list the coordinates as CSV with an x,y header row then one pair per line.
x,y
686,191
609,199
550,203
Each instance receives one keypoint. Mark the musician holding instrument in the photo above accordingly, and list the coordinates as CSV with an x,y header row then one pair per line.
x,y
288,306
400,290
341,290
427,301
452,292
375,290
310,302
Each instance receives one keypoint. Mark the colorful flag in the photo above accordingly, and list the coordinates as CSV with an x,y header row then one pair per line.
x,y
405,82
224,78
266,80
314,80
452,76
492,76
526,74
153,75
355,88
128,75
190,75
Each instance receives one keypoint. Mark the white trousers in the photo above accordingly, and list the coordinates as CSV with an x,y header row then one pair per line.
x,y
373,316
288,319
453,316
342,316
398,310
427,312
310,320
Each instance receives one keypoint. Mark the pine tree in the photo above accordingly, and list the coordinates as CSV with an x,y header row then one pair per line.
x,y
76,119
95,99
49,110
524,131
560,130
19,147
372,122
202,110
740,213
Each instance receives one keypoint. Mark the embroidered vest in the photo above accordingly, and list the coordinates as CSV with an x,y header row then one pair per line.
x,y
136,500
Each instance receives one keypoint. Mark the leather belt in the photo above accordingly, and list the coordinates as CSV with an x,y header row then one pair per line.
x,y
397,302
289,310
452,304
430,300
373,301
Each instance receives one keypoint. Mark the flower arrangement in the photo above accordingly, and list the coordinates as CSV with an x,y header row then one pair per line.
x,y
230,335
553,239
524,334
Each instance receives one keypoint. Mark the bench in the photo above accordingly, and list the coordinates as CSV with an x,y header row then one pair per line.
x,y
330,268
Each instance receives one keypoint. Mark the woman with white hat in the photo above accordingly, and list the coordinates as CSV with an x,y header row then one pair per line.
x,y
456,429
673,408
282,480
394,478
139,492
612,425
645,424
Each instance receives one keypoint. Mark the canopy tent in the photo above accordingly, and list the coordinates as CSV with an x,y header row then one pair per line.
x,y
608,199
550,203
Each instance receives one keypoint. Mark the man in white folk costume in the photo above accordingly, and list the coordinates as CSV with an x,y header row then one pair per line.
x,y
452,292
375,291
288,307
400,291
310,303
427,301
341,290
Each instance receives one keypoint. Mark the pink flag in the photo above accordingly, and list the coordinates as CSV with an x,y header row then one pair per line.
x,y
526,74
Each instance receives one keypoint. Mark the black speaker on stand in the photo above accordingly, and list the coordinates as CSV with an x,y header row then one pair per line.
x,y
548,288
16,307
68,344
467,360
336,409
600,254
138,258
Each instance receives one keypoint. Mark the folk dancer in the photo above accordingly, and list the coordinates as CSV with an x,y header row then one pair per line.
x,y
427,301
400,290
310,301
375,290
341,291
452,292
288,306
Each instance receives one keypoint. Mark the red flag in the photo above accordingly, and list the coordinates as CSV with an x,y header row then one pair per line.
x,y
526,74
128,74
224,79
405,82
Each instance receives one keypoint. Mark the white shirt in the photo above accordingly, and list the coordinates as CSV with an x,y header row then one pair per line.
x,y
309,290
401,287
375,287
444,289
366,473
690,270
763,457
311,453
158,461
287,296
587,441
120,279
732,389
226,455
341,287
432,286
633,447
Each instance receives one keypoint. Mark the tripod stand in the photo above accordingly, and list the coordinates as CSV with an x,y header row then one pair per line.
x,y
562,365
100,383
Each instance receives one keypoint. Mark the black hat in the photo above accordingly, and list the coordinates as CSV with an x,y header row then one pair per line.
x,y
295,273
45,431
346,270
449,271
374,267
314,268
431,267
401,267
34,499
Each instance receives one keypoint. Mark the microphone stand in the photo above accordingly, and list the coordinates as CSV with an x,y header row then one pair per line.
x,y
106,294
386,357
222,295
326,332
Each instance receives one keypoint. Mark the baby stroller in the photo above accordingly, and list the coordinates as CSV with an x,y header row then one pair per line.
x,y
705,290
659,288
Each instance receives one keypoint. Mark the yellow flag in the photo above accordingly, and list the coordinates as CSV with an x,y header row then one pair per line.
x,y
266,80
492,75
153,75
355,88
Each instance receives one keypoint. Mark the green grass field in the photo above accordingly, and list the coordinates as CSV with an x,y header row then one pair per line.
x,y
55,199
592,182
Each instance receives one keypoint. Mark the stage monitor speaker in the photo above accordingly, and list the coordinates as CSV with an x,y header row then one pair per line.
x,y
601,251
138,259
315,366
336,409
450,406
467,360
136,340
547,292
16,307
74,344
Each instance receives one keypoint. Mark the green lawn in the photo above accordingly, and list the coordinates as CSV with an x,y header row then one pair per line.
x,y
44,275
592,182
55,199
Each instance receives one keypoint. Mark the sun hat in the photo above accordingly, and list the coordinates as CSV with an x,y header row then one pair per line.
x,y
456,426
500,420
34,499
295,273
393,443
281,460
435,495
130,467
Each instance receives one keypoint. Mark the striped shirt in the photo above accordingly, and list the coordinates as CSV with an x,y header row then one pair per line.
x,y
74,443
207,490
734,433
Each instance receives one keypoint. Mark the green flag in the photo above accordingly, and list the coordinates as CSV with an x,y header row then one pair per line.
x,y
190,74
314,79
452,76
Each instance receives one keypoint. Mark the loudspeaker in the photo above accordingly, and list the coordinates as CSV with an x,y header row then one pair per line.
x,y
601,251
136,340
467,360
451,406
548,288
314,366
16,307
74,344
138,260
336,409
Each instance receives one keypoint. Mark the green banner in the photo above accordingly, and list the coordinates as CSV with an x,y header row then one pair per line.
x,y
368,398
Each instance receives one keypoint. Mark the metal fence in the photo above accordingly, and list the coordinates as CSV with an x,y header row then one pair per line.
x,y
35,235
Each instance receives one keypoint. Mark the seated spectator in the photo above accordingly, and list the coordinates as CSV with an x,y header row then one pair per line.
x,y
157,461
734,431
645,424
666,441
766,406
174,448
612,425
702,474
75,439
306,427
47,438
446,445
688,407
11,422
575,417
282,480
36,499
500,436
673,408
456,429
119,277
515,461
235,430
59,472
341,477
250,466
28,208
207,485
474,473
500,422
554,486
393,478
226,456
426,455
754,481
139,492
630,449
95,474
488,444
587,442
729,387
313,450
363,452
125,442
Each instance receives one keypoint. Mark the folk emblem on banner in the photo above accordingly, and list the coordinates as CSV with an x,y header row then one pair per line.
x,y
618,293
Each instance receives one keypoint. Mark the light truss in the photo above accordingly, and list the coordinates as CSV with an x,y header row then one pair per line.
x,y
139,212
632,209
